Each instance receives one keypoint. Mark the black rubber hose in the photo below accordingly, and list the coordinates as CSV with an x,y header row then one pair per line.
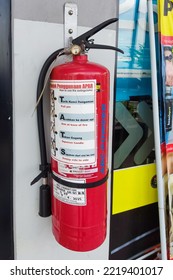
x,y
45,190
40,117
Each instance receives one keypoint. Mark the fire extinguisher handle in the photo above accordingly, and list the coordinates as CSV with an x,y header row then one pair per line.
x,y
83,41
84,37
105,47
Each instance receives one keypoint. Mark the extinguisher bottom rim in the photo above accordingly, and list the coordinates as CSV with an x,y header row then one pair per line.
x,y
80,244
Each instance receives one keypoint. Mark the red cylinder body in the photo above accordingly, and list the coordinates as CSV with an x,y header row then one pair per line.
x,y
79,152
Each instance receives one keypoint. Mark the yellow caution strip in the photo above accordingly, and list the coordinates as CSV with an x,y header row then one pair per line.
x,y
132,188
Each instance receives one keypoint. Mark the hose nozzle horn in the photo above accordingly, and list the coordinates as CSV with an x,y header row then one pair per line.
x,y
86,44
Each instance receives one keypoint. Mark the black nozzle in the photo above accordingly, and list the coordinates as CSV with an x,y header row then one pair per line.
x,y
45,201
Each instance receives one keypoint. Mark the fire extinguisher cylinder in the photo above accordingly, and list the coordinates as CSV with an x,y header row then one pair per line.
x,y
80,93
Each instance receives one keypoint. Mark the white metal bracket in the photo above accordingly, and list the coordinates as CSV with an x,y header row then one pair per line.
x,y
70,23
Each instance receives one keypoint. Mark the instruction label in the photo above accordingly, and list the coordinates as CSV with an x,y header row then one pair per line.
x,y
73,122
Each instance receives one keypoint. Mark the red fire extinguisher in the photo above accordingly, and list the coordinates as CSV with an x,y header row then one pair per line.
x,y
77,198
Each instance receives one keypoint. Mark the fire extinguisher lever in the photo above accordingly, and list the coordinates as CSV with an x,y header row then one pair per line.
x,y
105,47
84,42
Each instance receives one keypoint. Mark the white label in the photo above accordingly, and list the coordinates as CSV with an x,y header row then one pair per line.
x,y
73,121
69,195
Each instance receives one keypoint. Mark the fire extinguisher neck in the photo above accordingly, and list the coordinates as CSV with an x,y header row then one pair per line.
x,y
82,58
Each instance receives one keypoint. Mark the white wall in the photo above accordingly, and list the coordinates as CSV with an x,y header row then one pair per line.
x,y
91,12
33,42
